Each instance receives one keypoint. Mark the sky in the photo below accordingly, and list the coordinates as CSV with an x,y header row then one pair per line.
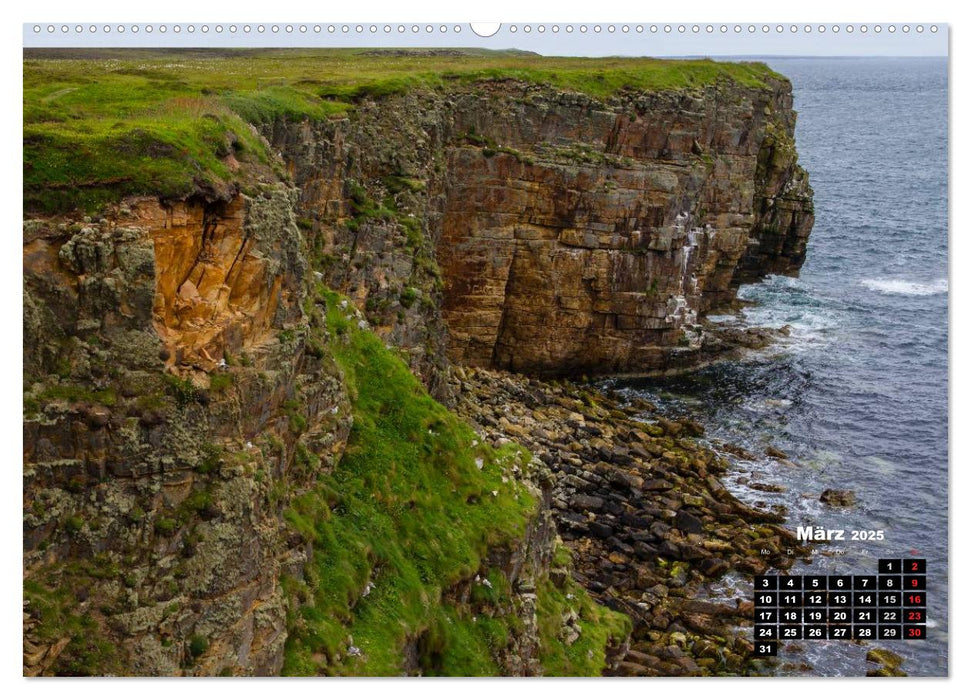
x,y
577,39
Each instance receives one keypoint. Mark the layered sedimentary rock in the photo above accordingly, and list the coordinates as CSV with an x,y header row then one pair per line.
x,y
600,240
153,362
570,234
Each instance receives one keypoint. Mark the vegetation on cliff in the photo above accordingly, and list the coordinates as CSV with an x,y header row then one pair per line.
x,y
414,507
101,124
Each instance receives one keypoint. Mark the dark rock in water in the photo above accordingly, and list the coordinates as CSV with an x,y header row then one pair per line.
x,y
888,661
738,451
838,497
775,452
767,488
885,672
884,657
688,523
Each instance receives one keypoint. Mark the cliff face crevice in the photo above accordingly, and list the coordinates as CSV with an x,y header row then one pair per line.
x,y
213,294
558,233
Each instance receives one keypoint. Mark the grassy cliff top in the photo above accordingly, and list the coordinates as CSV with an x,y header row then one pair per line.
x,y
102,124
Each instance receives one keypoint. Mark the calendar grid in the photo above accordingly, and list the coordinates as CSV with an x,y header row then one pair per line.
x,y
888,605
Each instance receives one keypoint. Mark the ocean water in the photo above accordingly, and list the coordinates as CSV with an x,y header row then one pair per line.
x,y
857,394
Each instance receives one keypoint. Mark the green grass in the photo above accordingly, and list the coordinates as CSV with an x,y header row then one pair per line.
x,y
87,651
102,124
220,382
599,627
77,394
407,513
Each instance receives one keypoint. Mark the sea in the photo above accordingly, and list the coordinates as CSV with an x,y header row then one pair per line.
x,y
857,394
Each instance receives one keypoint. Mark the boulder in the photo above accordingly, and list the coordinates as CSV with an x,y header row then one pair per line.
x,y
842,498
686,522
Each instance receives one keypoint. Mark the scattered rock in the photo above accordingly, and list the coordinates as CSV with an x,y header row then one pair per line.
x,y
884,657
584,502
739,452
647,521
686,522
766,488
889,663
838,497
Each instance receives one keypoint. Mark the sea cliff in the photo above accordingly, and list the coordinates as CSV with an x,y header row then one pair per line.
x,y
267,425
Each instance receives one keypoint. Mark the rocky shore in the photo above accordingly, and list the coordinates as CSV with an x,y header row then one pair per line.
x,y
638,501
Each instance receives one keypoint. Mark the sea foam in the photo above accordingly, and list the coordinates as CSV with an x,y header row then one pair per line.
x,y
906,287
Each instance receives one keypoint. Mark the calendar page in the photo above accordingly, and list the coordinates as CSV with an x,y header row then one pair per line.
x,y
478,350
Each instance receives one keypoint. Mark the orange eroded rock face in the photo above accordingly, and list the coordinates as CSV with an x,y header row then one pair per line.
x,y
214,294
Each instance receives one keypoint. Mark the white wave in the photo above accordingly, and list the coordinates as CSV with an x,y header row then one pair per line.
x,y
906,287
